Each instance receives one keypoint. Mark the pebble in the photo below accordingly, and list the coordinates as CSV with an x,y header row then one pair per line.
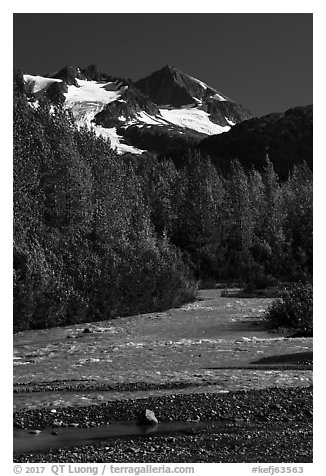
x,y
57,423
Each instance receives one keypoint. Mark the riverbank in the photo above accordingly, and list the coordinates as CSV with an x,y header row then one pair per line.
x,y
270,425
248,392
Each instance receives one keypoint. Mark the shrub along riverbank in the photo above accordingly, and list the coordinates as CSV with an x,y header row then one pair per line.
x,y
294,309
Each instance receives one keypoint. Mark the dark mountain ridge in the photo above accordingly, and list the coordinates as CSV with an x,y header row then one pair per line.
x,y
286,137
170,86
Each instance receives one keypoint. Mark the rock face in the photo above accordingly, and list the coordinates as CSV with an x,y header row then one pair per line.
x,y
147,417
170,86
68,74
132,102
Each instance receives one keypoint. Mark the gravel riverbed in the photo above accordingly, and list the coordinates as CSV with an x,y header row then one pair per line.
x,y
268,425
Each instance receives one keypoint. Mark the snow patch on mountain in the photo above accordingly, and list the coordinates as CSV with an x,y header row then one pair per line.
x,y
193,118
186,117
218,97
145,118
204,85
84,115
88,99
116,141
84,118
94,92
38,83
34,104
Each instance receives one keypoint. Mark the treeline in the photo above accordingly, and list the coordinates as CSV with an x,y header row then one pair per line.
x,y
97,235
249,227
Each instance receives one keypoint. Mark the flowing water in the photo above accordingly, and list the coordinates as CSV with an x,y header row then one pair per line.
x,y
65,437
208,345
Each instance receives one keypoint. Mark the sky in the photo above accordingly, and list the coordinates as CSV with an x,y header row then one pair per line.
x,y
262,61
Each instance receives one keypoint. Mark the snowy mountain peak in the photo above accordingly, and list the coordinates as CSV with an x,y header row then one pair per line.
x,y
69,74
167,110
171,86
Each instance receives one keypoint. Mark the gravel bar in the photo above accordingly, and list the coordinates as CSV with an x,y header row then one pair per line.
x,y
269,425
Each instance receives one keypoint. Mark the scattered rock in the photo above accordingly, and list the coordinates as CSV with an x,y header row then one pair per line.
x,y
238,420
35,432
226,416
133,450
57,423
196,418
147,417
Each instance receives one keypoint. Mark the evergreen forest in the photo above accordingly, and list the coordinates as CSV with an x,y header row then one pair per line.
x,y
97,235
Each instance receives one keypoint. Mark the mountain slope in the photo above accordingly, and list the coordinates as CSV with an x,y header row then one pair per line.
x,y
169,86
167,110
287,138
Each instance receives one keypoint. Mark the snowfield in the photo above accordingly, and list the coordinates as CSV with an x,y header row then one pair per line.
x,y
116,140
87,100
186,118
193,118
38,83
145,118
94,92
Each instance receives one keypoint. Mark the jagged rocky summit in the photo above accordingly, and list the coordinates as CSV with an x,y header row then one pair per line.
x,y
167,110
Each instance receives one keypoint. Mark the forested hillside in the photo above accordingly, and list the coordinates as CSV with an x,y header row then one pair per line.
x,y
286,137
98,235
